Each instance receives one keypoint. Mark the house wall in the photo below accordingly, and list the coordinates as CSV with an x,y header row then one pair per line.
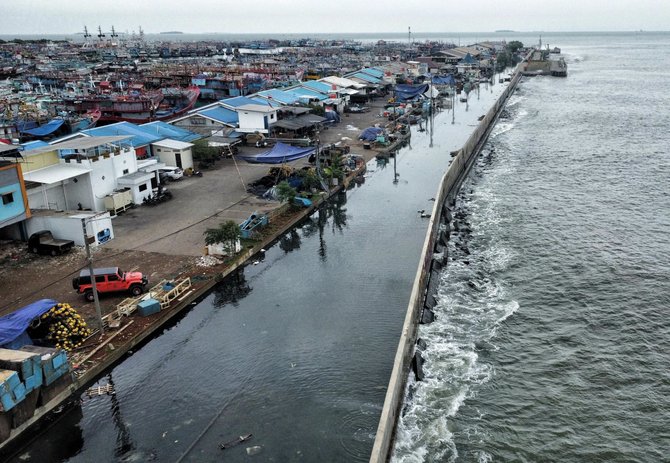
x,y
47,197
251,121
168,156
39,161
80,191
12,190
104,177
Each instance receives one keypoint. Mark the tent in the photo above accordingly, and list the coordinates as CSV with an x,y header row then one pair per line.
x,y
279,154
46,129
14,325
370,134
409,92
444,80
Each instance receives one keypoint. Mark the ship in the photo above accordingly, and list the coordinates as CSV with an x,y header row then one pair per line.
x,y
138,106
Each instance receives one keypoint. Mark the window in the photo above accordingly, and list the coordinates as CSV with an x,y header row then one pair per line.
x,y
112,278
100,278
158,149
143,187
8,198
125,171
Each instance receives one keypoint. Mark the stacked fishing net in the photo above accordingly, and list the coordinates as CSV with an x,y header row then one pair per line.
x,y
66,328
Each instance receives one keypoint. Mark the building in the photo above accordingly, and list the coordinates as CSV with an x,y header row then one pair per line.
x,y
13,196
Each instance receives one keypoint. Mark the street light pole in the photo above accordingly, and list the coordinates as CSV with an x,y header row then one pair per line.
x,y
96,300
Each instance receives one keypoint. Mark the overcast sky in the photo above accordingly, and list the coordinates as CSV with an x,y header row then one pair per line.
x,y
310,16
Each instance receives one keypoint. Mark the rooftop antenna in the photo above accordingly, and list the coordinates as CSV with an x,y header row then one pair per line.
x,y
141,34
86,34
409,35
114,34
100,34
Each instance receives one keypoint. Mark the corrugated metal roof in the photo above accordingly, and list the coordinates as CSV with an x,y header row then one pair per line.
x,y
83,143
55,173
138,136
366,77
170,131
221,114
280,96
173,144
320,87
374,72
237,101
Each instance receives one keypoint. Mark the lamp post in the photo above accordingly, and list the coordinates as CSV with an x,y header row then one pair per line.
x,y
96,300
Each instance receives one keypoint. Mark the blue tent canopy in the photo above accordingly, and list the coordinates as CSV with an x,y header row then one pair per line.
x,y
279,154
370,134
444,80
409,92
46,129
15,324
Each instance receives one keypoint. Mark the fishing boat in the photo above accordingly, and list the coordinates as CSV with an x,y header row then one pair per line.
x,y
138,106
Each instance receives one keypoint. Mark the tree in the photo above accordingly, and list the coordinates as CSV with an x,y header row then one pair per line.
x,y
286,193
227,233
514,46
203,152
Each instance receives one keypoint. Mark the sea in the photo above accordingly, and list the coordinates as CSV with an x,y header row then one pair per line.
x,y
552,338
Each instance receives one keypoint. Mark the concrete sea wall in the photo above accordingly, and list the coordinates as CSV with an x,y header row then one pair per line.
x,y
433,259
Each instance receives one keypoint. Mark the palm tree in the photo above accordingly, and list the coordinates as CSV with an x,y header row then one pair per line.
x,y
227,233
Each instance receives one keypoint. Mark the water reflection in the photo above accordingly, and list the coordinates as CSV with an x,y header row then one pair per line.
x,y
333,213
231,290
63,440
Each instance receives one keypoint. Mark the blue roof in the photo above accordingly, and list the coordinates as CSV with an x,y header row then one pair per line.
x,y
273,103
302,93
374,72
280,96
317,86
221,114
139,137
31,145
237,101
366,77
172,132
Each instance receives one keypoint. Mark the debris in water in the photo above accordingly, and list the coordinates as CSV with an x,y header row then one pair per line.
x,y
255,450
239,440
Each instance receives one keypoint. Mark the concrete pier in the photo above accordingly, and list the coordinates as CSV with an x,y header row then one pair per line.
x,y
463,159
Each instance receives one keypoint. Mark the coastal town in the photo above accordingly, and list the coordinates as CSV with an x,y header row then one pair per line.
x,y
137,175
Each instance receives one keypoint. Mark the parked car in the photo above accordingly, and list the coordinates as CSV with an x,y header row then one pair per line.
x,y
108,280
43,242
170,173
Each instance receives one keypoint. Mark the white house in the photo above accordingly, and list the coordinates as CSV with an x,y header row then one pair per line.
x,y
84,172
174,153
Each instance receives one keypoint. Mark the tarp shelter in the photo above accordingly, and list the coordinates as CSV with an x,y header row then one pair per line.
x,y
370,134
409,92
443,80
279,154
14,325
46,129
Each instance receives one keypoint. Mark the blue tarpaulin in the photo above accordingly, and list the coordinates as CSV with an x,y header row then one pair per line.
x,y
370,134
444,80
279,154
46,129
409,92
15,324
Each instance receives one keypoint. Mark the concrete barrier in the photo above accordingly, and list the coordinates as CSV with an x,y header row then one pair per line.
x,y
449,186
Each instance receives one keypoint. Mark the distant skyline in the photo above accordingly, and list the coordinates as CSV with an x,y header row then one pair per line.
x,y
344,16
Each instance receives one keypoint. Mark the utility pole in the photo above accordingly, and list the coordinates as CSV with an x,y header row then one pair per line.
x,y
96,300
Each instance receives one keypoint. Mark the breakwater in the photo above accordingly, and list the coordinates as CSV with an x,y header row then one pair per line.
x,y
433,259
